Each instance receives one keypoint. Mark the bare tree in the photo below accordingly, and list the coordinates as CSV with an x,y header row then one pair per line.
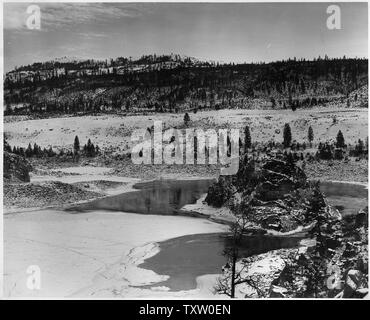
x,y
233,276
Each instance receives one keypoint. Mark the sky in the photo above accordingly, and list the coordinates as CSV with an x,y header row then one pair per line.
x,y
233,32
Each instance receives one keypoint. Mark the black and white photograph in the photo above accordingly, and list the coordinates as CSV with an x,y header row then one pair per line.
x,y
185,151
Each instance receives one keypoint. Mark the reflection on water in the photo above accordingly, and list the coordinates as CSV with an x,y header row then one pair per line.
x,y
343,189
167,196
347,198
185,258
155,197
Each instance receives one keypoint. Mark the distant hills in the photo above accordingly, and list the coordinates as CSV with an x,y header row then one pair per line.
x,y
174,83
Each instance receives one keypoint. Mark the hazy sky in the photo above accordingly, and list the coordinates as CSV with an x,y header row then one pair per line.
x,y
222,32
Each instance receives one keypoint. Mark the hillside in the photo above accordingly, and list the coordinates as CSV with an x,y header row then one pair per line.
x,y
175,83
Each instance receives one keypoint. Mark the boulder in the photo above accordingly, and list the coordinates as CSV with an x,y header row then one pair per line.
x,y
362,293
278,292
353,283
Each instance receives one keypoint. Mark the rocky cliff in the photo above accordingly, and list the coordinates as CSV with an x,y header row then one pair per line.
x,y
278,194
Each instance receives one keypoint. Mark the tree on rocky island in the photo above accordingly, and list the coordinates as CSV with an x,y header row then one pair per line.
x,y
232,273
220,192
265,195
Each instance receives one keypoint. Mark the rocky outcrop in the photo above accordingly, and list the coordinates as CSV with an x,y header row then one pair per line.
x,y
16,168
278,178
336,267
258,274
280,196
353,256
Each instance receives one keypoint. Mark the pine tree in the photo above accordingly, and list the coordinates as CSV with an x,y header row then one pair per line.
x,y
90,149
340,140
186,119
359,148
21,152
50,152
294,105
36,150
273,103
76,145
247,139
29,151
287,134
76,149
310,136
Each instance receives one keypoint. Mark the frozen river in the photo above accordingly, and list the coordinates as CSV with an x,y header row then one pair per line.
x,y
90,253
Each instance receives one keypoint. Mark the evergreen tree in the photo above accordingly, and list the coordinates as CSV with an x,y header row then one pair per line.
x,y
186,119
50,152
21,152
340,140
287,134
76,145
290,158
247,139
294,105
359,148
29,151
97,150
90,149
36,150
273,103
310,136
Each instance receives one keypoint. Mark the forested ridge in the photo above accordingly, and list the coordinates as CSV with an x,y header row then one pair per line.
x,y
174,84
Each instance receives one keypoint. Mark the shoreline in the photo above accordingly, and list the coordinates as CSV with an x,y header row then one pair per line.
x,y
79,243
360,183
135,257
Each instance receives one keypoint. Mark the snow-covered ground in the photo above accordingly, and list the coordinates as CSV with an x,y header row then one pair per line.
x,y
91,254
224,214
114,131
88,174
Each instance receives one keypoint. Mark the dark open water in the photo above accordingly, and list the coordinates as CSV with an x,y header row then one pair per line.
x,y
188,257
